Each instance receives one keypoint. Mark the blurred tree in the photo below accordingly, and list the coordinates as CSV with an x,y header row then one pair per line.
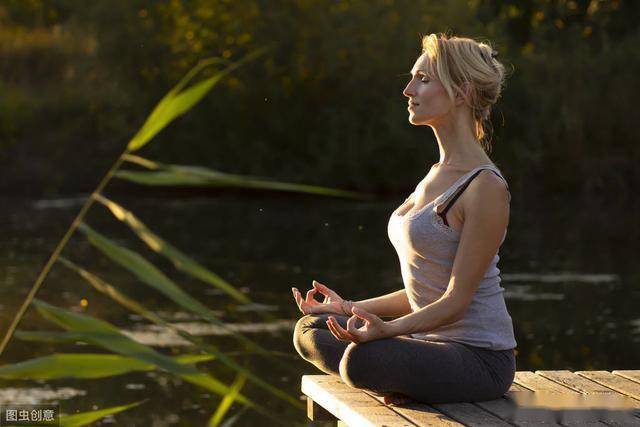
x,y
326,105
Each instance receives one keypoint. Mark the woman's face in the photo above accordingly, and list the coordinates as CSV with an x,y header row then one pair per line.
x,y
428,100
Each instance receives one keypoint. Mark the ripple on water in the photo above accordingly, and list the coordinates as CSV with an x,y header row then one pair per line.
x,y
160,336
560,277
524,293
37,395
59,203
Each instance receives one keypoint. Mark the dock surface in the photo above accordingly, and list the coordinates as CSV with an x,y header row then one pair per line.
x,y
549,398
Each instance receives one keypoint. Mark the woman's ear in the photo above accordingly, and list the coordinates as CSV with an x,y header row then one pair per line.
x,y
464,94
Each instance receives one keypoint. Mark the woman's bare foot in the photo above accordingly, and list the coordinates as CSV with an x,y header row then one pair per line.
x,y
397,399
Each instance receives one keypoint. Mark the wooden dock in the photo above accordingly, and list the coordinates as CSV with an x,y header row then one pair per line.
x,y
571,394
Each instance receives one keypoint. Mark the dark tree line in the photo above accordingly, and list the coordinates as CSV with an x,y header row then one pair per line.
x,y
325,106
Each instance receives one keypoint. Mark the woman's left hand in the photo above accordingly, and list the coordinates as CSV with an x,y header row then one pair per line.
x,y
374,328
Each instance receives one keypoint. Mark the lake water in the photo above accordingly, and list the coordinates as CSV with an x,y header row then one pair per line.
x,y
571,279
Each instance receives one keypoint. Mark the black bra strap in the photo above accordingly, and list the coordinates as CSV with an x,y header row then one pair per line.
x,y
443,214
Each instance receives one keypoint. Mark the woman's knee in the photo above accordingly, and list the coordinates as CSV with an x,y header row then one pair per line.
x,y
314,320
303,333
354,368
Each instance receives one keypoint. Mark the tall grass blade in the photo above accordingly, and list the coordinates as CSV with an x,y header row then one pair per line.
x,y
179,100
84,418
179,259
152,276
162,178
165,112
127,302
109,337
226,403
182,175
50,337
84,366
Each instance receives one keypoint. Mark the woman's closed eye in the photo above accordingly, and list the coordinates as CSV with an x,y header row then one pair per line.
x,y
423,77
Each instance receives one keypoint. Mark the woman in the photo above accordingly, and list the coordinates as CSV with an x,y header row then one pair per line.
x,y
452,339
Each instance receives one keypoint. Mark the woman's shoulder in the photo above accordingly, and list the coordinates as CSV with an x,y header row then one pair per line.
x,y
488,188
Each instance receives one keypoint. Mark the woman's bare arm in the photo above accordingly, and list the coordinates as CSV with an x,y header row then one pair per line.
x,y
390,305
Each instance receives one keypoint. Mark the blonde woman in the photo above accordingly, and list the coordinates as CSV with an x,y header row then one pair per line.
x,y
451,339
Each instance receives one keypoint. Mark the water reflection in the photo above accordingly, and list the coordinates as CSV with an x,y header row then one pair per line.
x,y
559,277
159,336
37,395
573,296
528,293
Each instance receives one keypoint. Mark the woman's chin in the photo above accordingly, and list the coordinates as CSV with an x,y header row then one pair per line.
x,y
415,120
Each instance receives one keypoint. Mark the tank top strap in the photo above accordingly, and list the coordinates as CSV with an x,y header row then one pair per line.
x,y
458,187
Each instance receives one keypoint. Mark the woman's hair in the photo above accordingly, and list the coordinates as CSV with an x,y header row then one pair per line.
x,y
458,62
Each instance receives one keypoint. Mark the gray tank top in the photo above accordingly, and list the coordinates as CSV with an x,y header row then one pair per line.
x,y
426,247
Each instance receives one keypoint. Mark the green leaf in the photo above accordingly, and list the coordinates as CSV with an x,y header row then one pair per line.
x,y
84,418
169,108
149,274
226,403
84,365
179,259
136,307
179,100
109,337
181,175
161,179
160,116
51,337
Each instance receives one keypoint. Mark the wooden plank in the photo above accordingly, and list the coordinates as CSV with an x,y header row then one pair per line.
x,y
421,414
329,399
316,412
517,388
539,383
575,381
505,409
465,413
536,382
586,386
630,375
352,406
470,414
615,382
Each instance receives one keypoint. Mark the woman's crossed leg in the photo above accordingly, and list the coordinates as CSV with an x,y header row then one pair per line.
x,y
426,371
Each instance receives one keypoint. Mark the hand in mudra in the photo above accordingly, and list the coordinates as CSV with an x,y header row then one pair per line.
x,y
332,301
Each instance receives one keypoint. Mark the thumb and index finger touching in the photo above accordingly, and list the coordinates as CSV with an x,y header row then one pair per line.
x,y
364,315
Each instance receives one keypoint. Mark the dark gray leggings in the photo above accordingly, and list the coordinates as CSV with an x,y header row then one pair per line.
x,y
426,371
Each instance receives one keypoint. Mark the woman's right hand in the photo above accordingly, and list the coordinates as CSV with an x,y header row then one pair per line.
x,y
332,301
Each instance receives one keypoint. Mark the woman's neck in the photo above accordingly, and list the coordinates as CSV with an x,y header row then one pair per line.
x,y
458,146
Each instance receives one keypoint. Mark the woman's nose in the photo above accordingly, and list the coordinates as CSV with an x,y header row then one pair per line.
x,y
408,91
